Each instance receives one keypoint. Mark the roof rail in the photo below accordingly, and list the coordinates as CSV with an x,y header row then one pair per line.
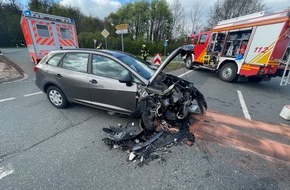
x,y
240,18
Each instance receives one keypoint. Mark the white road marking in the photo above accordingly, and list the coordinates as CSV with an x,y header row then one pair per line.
x,y
244,107
5,171
11,51
33,94
185,73
6,99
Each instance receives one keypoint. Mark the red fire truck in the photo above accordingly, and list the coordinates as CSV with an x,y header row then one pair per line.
x,y
45,32
254,46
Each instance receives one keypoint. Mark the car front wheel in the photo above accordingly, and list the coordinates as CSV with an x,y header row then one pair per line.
x,y
56,97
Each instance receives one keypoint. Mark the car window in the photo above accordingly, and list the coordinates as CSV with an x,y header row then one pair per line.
x,y
55,59
76,62
139,65
106,67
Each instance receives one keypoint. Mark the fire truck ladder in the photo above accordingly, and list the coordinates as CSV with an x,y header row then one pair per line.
x,y
286,75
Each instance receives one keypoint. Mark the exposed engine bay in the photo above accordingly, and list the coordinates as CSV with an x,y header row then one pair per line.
x,y
169,99
164,110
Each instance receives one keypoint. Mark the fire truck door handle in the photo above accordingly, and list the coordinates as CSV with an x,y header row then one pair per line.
x,y
58,76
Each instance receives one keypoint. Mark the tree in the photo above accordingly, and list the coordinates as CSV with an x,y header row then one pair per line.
x,y
195,15
43,6
10,31
177,19
226,9
160,20
149,21
70,12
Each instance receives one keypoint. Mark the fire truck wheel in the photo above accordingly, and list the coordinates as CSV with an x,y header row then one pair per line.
x,y
255,79
228,72
188,62
56,97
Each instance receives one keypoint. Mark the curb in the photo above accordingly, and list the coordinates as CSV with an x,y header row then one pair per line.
x,y
9,71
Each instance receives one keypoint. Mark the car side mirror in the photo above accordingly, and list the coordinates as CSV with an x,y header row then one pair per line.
x,y
126,78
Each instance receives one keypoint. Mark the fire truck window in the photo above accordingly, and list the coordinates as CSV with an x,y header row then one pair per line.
x,y
42,30
195,40
76,62
55,59
65,33
202,39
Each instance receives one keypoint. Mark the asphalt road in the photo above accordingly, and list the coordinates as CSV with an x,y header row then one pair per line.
x,y
46,148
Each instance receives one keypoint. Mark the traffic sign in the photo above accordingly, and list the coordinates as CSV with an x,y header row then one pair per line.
x,y
105,33
125,31
157,58
165,43
122,27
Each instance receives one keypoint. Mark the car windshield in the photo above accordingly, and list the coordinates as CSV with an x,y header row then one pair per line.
x,y
140,66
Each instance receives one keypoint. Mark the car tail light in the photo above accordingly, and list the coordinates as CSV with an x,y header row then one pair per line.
x,y
35,68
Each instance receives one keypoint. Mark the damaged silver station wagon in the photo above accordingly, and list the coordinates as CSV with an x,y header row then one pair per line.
x,y
117,82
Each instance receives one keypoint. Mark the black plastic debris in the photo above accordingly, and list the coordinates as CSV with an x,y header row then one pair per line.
x,y
144,145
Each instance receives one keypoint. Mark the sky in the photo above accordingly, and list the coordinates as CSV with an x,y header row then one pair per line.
x,y
102,8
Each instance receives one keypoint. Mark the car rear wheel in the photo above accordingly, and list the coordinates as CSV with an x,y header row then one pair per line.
x,y
228,72
56,97
188,62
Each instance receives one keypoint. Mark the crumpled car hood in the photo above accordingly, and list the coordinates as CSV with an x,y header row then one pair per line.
x,y
183,50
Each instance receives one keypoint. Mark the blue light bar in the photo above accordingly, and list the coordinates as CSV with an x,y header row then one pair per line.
x,y
27,13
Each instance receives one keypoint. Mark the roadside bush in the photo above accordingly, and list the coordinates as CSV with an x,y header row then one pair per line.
x,y
130,46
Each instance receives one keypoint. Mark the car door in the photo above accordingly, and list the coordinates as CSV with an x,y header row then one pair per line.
x,y
106,90
72,76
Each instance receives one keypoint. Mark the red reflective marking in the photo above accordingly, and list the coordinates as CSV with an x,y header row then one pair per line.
x,y
38,40
33,22
62,43
44,41
50,42
69,42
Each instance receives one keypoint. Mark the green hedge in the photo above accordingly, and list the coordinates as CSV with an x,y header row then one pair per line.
x,y
131,46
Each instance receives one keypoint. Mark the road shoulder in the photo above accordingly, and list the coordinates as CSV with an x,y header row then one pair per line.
x,y
9,71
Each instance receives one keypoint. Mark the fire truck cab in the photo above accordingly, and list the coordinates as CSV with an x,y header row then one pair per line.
x,y
252,46
45,32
